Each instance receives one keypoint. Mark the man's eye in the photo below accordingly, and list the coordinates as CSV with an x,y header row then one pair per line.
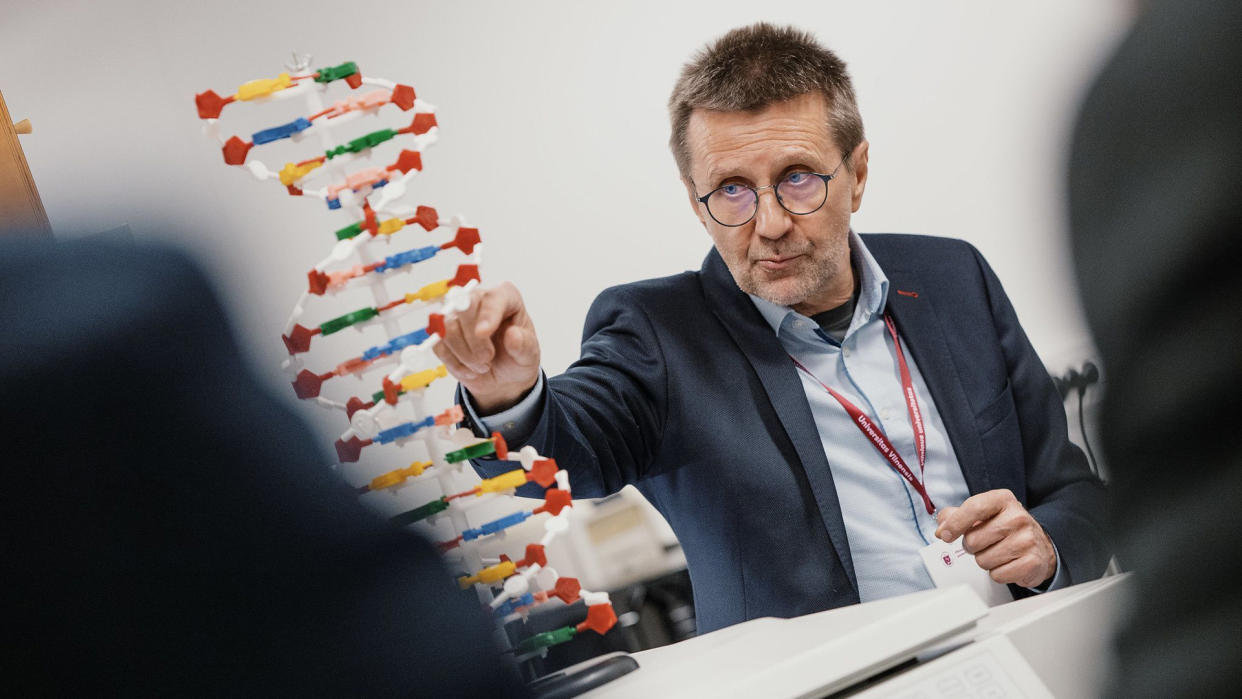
x,y
796,177
732,190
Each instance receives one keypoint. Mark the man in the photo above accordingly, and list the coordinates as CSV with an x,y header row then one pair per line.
x,y
751,401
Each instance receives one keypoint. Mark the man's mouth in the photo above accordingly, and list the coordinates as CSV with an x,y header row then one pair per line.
x,y
776,263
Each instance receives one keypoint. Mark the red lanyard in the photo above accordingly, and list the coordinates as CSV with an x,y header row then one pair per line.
x,y
876,435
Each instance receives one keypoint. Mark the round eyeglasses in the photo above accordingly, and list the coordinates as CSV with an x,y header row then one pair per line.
x,y
799,192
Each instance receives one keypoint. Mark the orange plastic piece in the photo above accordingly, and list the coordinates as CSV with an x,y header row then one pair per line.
x,y
435,326
534,554
354,404
209,104
465,240
502,449
235,150
426,217
408,160
554,500
403,96
567,589
600,618
465,275
318,282
298,340
349,450
543,472
422,123
451,416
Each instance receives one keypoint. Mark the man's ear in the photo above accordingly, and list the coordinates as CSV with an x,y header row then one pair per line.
x,y
694,201
859,160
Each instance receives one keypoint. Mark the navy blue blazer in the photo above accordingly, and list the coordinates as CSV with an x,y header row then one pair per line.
x,y
684,391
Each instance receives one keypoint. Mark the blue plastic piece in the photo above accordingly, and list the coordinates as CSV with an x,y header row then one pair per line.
x,y
405,429
495,526
511,605
408,257
397,344
334,203
283,131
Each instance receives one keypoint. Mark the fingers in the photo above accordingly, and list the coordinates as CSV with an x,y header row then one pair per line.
x,y
1027,571
471,336
977,508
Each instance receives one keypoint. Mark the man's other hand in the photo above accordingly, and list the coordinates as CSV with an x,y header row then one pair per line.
x,y
1004,538
491,348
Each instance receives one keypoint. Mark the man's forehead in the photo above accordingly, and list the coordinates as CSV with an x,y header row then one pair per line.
x,y
721,141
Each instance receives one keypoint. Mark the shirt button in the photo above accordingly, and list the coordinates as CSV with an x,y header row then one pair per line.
x,y
885,413
846,351
508,425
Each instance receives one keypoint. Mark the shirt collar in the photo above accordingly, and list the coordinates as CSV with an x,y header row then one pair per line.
x,y
872,292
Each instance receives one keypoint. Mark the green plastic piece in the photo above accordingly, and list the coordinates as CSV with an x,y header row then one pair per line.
x,y
347,320
421,513
362,143
349,231
473,451
327,75
546,639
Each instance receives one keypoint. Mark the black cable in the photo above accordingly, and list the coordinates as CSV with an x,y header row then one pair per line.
x,y
1082,425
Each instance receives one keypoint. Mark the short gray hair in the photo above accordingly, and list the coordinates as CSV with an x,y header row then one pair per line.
x,y
752,67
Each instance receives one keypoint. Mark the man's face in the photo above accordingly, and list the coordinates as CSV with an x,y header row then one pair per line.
x,y
797,261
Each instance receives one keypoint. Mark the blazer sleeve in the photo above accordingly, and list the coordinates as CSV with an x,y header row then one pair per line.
x,y
603,419
1062,493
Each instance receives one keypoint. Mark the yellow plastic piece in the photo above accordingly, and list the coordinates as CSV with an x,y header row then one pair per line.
x,y
489,575
398,476
291,173
390,226
263,87
433,290
504,481
423,378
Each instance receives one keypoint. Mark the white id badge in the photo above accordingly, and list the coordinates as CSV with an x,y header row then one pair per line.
x,y
949,564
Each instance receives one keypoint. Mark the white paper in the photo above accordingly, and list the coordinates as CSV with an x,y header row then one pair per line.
x,y
949,564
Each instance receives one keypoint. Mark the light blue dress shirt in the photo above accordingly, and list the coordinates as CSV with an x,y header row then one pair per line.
x,y
885,518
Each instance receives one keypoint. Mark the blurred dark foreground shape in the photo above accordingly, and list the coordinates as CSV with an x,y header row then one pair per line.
x,y
1156,209
171,529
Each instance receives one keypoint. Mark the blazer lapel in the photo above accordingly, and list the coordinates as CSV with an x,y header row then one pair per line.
x,y
784,389
919,324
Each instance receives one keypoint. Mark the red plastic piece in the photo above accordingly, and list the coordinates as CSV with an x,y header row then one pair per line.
x,y
465,274
422,123
426,217
600,618
209,104
408,160
534,554
318,282
299,340
390,391
235,150
368,219
308,383
465,240
502,449
349,450
354,80
449,545
403,97
294,191
354,404
567,590
435,324
543,472
554,500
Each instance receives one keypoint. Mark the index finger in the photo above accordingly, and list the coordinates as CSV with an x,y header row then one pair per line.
x,y
494,307
976,508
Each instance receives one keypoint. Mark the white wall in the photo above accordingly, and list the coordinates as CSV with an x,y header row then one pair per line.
x,y
550,114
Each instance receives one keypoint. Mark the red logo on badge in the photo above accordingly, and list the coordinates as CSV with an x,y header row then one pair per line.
x,y
947,560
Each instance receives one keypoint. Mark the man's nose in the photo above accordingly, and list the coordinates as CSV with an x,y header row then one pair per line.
x,y
771,219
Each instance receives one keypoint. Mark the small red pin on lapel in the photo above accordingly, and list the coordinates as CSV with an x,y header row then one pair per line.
x,y
911,294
